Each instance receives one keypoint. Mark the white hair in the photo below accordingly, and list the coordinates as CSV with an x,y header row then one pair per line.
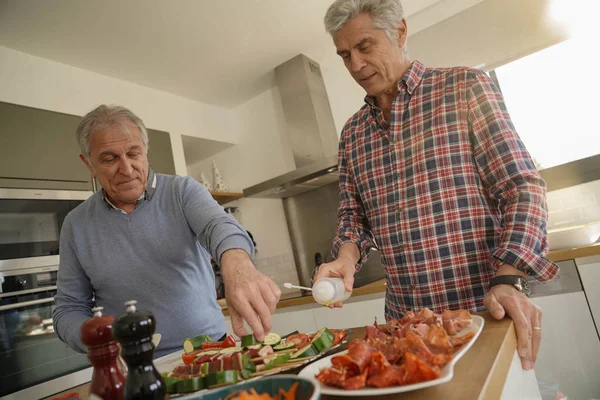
x,y
386,14
107,116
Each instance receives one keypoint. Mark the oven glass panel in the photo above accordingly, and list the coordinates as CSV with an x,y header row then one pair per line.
x,y
30,227
30,351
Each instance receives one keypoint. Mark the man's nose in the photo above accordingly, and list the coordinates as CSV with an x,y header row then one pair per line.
x,y
357,63
125,166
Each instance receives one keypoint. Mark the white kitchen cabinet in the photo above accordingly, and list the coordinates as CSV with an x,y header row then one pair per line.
x,y
589,271
353,314
569,355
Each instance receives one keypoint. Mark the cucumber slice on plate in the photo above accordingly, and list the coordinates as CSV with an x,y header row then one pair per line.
x,y
254,346
222,378
281,359
230,350
189,385
272,339
307,351
323,340
284,346
193,344
171,383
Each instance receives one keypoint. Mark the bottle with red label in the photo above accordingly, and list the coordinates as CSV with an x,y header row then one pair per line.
x,y
134,331
103,352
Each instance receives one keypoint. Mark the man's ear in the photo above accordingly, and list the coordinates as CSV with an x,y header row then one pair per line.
x,y
88,165
402,33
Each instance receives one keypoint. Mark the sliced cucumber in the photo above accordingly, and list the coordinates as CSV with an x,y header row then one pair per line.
x,y
272,339
222,378
244,374
193,344
249,340
254,346
189,385
307,351
284,346
323,340
171,383
280,359
230,350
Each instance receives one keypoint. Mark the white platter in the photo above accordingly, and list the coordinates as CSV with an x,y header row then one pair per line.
x,y
446,374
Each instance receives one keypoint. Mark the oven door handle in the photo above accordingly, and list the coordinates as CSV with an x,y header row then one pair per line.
x,y
26,303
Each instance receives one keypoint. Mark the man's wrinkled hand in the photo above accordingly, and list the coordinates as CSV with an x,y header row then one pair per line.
x,y
251,295
504,300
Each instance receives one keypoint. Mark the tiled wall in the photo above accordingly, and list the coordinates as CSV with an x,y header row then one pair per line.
x,y
281,268
574,205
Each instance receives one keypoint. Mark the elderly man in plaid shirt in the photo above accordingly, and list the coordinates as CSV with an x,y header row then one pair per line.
x,y
433,174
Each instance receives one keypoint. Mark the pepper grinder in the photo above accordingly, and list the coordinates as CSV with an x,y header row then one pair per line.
x,y
134,331
103,352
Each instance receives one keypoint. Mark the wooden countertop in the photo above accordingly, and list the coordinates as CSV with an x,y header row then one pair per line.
x,y
577,252
480,374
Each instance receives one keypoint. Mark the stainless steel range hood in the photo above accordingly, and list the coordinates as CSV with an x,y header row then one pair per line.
x,y
310,129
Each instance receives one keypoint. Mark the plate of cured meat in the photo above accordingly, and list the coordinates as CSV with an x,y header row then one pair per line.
x,y
417,351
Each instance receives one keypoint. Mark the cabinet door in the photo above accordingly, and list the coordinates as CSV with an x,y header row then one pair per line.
x,y
590,278
160,155
39,145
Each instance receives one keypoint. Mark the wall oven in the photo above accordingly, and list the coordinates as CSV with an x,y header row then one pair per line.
x,y
30,352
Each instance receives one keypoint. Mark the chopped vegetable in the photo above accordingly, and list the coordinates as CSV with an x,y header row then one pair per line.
x,y
249,340
323,340
193,344
284,346
299,339
272,339
228,342
253,395
188,358
307,351
189,385
221,378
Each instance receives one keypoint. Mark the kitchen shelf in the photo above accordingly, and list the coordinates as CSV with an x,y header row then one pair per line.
x,y
226,197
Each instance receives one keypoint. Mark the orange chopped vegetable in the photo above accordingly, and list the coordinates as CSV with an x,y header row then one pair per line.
x,y
252,395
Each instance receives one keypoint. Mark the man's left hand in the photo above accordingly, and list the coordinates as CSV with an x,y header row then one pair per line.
x,y
504,300
251,295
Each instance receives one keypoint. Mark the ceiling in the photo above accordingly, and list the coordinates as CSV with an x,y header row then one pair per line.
x,y
216,52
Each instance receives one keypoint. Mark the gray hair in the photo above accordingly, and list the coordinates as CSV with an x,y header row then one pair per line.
x,y
386,14
107,116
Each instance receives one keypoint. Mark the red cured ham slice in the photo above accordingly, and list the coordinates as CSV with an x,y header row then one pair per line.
x,y
456,321
373,332
331,377
417,370
458,341
361,353
356,382
437,340
390,376
346,364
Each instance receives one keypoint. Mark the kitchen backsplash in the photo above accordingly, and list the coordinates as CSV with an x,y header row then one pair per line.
x,y
281,268
574,205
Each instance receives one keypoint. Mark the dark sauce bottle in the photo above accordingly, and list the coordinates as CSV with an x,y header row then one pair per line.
x,y
134,331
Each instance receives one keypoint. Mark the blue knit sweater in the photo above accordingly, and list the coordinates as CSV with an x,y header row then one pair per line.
x,y
159,255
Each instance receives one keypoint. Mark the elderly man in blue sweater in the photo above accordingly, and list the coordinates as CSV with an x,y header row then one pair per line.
x,y
149,237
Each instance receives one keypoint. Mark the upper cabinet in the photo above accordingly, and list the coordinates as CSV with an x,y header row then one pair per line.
x,y
38,149
38,145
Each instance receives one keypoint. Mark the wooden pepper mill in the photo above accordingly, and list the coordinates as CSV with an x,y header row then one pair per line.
x,y
103,352
134,331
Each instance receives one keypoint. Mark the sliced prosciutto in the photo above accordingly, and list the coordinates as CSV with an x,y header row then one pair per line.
x,y
401,352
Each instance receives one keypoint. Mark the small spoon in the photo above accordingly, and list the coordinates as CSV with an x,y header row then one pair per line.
x,y
290,286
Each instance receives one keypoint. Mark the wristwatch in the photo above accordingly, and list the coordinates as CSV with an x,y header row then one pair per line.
x,y
520,283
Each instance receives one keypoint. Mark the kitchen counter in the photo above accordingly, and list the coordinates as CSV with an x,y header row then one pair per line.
x,y
379,286
480,374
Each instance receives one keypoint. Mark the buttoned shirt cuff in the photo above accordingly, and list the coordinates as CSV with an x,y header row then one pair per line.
x,y
527,261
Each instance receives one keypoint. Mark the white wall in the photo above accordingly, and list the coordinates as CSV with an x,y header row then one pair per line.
x,y
36,82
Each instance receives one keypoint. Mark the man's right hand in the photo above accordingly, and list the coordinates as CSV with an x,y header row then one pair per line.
x,y
343,267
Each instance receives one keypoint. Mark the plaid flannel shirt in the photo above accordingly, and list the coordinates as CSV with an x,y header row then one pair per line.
x,y
447,191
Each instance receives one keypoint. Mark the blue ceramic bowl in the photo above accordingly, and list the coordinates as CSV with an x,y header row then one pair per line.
x,y
308,389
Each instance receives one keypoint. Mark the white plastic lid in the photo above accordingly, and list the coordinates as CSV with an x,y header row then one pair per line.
x,y
323,291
